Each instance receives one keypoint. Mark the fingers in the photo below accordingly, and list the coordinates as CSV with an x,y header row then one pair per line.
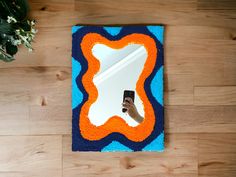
x,y
129,100
126,105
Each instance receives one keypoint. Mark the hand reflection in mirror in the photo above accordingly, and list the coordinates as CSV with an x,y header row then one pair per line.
x,y
132,110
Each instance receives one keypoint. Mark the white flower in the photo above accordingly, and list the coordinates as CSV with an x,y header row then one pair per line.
x,y
32,22
16,42
11,19
18,32
34,31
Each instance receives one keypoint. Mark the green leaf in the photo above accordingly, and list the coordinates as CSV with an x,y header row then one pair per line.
x,y
6,28
6,58
11,49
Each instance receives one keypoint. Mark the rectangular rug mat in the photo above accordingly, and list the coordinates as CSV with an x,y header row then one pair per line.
x,y
117,88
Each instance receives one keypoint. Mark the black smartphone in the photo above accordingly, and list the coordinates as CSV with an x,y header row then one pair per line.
x,y
129,94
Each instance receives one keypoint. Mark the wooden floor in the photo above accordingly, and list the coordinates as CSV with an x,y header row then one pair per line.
x,y
200,92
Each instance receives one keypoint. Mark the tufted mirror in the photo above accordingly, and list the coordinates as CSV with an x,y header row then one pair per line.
x,y
120,85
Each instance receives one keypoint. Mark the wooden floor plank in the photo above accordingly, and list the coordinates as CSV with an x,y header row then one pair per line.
x,y
222,5
177,159
197,32
103,12
180,12
215,95
208,71
52,5
88,163
217,155
178,89
35,100
22,156
230,71
14,119
51,84
50,120
200,119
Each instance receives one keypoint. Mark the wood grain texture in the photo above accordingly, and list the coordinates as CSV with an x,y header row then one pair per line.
x,y
178,159
178,89
217,5
217,155
200,92
197,119
30,156
224,95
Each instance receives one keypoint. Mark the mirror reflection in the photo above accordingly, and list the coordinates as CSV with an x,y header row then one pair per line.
x,y
116,84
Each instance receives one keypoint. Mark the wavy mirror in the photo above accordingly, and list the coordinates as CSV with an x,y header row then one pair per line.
x,y
117,88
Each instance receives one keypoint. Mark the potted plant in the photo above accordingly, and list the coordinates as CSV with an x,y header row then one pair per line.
x,y
15,28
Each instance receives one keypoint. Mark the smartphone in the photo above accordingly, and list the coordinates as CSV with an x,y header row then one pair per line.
x,y
129,94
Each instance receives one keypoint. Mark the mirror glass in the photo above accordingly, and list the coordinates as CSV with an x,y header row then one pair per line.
x,y
116,84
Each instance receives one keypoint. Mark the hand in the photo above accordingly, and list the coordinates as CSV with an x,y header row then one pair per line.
x,y
132,110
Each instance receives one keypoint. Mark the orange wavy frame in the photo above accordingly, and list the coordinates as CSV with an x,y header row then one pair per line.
x,y
116,123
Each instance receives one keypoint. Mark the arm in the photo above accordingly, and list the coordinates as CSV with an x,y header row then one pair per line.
x,y
132,110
